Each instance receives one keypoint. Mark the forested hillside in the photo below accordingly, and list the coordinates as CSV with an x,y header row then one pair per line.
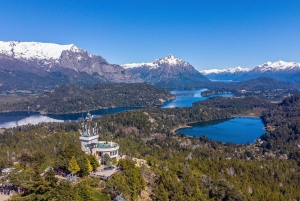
x,y
263,87
283,123
74,98
180,167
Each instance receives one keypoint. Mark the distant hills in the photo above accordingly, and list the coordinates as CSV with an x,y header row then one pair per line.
x,y
279,70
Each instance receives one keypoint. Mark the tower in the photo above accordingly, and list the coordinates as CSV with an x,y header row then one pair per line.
x,y
88,136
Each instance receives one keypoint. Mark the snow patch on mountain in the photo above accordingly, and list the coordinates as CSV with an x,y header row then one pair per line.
x,y
35,50
139,65
225,71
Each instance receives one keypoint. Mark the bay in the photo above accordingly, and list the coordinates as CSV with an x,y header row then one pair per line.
x,y
186,98
240,130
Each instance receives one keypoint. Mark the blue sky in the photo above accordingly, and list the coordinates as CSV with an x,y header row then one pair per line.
x,y
208,34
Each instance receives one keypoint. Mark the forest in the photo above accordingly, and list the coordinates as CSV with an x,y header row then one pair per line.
x,y
262,87
178,167
74,98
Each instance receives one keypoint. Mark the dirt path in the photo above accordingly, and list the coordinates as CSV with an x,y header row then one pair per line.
x,y
4,197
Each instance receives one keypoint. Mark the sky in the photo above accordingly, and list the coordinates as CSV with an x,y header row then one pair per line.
x,y
207,34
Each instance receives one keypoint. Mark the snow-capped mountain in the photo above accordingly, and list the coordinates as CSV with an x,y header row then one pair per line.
x,y
278,66
225,74
168,69
224,71
170,60
280,70
47,65
35,50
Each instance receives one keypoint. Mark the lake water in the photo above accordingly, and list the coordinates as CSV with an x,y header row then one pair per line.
x,y
186,98
13,119
238,130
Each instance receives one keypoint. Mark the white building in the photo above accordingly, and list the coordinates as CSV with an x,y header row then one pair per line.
x,y
91,145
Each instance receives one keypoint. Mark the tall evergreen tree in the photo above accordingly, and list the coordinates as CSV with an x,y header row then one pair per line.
x,y
89,167
94,162
161,193
73,166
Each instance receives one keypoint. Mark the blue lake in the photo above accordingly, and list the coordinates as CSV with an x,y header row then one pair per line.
x,y
186,98
13,119
238,130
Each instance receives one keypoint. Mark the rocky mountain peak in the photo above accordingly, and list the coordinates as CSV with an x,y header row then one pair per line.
x,y
46,65
166,70
171,61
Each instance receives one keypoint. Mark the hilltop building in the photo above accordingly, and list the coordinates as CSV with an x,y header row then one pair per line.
x,y
90,143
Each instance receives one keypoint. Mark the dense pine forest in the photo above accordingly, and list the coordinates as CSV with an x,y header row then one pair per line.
x,y
74,98
177,167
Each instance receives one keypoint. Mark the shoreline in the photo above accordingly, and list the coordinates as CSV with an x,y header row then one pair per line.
x,y
181,126
235,116
82,111
77,112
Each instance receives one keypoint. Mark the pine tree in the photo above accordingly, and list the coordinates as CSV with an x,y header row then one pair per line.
x,y
94,162
161,194
89,166
73,166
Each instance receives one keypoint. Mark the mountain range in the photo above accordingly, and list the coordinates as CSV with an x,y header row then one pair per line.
x,y
34,67
225,74
42,66
279,70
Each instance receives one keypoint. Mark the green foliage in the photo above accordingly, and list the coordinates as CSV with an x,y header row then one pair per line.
x,y
106,159
94,162
282,122
129,182
181,168
160,193
67,153
50,177
89,166
47,188
73,166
